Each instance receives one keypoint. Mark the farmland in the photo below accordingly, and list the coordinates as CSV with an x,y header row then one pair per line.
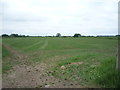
x,y
60,62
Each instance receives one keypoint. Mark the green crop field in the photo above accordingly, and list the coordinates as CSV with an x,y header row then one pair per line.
x,y
90,61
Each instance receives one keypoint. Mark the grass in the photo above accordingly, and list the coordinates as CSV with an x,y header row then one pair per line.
x,y
34,43
24,44
108,75
5,53
97,54
6,62
99,73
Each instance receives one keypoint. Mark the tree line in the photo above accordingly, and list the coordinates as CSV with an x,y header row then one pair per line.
x,y
57,35
14,35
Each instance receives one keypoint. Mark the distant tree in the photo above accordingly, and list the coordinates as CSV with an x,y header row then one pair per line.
x,y
83,36
64,36
5,35
118,36
14,35
58,35
23,35
77,35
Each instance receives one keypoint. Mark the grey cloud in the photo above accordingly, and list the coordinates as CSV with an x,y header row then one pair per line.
x,y
19,18
43,18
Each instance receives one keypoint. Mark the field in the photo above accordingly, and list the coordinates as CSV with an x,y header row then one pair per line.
x,y
60,62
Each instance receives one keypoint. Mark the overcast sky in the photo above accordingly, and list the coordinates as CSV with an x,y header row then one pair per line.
x,y
48,17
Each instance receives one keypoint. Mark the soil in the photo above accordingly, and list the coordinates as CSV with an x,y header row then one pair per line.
x,y
76,63
27,75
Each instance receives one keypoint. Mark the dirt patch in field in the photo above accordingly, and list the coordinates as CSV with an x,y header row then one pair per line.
x,y
27,75
76,63
23,76
17,56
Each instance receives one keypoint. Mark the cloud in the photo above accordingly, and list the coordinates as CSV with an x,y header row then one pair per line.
x,y
47,17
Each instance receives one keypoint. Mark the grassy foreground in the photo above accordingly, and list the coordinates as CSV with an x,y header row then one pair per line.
x,y
91,61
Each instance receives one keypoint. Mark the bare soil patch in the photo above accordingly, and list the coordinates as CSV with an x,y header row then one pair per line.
x,y
76,63
27,75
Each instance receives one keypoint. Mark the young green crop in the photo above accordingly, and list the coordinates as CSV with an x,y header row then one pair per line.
x,y
97,56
